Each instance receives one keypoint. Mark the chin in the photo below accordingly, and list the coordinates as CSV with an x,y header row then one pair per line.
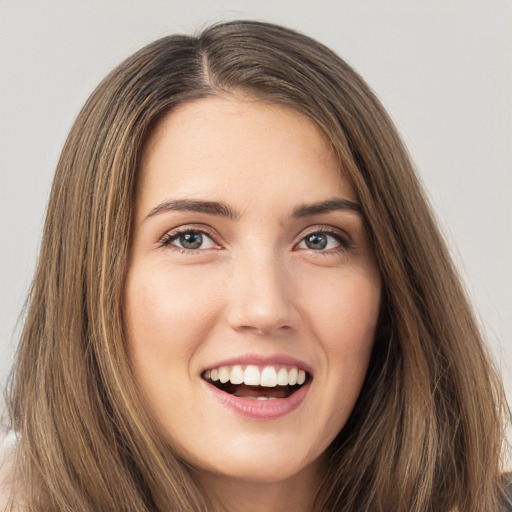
x,y
264,466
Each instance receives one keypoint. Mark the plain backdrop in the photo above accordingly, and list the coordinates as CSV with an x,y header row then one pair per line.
x,y
442,68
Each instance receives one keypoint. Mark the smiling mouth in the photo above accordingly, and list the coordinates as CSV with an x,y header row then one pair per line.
x,y
253,382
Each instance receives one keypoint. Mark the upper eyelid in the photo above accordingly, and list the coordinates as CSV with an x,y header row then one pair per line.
x,y
172,234
330,230
185,228
341,241
213,234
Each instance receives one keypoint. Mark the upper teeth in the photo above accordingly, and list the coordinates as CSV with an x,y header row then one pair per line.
x,y
268,376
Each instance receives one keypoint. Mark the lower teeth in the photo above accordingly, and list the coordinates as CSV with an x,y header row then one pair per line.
x,y
255,392
260,397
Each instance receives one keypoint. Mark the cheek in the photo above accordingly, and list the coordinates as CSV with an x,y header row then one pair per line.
x,y
167,313
343,314
344,308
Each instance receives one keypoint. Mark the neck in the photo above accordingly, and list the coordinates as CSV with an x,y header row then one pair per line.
x,y
299,493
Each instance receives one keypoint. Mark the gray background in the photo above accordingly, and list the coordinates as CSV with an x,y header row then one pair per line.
x,y
443,68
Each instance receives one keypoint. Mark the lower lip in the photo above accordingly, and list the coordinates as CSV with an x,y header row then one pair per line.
x,y
259,409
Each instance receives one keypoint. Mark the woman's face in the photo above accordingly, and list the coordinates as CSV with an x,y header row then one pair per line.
x,y
252,293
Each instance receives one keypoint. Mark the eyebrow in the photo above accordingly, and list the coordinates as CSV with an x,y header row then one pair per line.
x,y
210,207
330,205
221,209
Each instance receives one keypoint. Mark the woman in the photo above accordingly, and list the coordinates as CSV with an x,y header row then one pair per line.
x,y
242,301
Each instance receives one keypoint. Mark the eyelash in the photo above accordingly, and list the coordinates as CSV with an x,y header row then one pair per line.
x,y
344,243
168,238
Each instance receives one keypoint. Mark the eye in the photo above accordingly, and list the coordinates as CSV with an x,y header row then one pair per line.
x,y
190,240
322,241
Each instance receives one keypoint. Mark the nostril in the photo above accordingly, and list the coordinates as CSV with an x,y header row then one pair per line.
x,y
262,306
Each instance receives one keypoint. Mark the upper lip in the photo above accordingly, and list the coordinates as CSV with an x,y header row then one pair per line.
x,y
261,360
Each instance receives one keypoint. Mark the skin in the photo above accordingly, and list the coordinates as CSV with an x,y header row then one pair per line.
x,y
253,287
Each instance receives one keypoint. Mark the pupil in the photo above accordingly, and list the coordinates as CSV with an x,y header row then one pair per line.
x,y
191,240
316,241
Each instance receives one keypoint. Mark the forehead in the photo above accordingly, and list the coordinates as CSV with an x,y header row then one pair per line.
x,y
231,148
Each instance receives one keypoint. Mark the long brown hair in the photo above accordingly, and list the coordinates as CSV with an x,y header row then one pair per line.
x,y
426,432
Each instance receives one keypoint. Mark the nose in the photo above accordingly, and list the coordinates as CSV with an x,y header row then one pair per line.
x,y
261,296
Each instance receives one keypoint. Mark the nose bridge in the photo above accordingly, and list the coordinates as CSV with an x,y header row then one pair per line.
x,y
261,292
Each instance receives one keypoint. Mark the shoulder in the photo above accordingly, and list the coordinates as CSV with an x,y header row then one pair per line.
x,y
7,480
507,505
